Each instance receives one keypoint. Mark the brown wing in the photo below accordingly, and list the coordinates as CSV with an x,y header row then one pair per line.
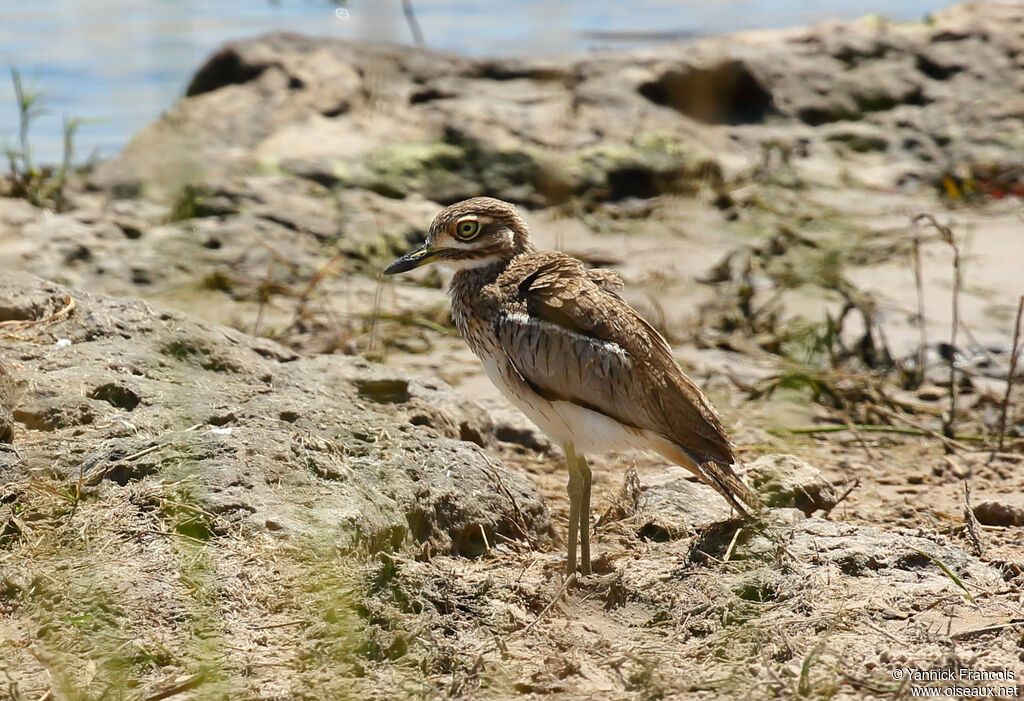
x,y
606,279
574,339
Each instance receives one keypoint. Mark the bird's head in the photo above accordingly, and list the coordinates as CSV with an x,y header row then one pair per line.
x,y
470,234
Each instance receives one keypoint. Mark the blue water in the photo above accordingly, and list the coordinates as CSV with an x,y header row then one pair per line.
x,y
119,63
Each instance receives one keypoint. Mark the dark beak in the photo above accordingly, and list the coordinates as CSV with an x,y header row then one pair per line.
x,y
413,259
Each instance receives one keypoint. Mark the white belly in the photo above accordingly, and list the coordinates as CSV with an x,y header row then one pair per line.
x,y
565,422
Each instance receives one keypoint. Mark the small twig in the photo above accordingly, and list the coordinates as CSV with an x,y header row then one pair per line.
x,y
884,632
948,441
804,686
1009,457
949,573
954,390
732,544
947,235
565,585
414,26
284,624
18,324
279,257
973,527
319,276
375,314
845,417
526,569
264,296
146,451
411,321
964,634
134,456
846,493
180,686
872,428
1009,378
922,351
859,683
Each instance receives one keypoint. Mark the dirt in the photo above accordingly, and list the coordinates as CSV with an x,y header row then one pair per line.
x,y
236,463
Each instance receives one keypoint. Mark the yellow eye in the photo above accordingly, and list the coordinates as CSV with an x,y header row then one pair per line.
x,y
467,229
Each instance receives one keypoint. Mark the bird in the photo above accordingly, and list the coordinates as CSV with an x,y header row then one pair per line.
x,y
560,341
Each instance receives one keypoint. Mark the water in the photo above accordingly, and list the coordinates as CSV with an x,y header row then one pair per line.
x,y
119,63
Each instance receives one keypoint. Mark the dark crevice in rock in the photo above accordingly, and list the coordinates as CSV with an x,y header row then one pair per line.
x,y
632,182
956,35
16,314
853,55
116,395
226,67
428,95
222,419
383,391
130,231
468,432
514,70
884,102
471,542
336,111
815,115
727,93
655,533
935,70
53,418
124,472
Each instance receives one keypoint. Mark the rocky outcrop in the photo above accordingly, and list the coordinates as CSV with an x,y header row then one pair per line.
x,y
396,120
112,393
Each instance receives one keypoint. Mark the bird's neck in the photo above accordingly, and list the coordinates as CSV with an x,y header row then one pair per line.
x,y
465,290
467,282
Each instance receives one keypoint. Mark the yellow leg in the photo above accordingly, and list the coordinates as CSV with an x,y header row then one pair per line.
x,y
579,510
584,470
574,490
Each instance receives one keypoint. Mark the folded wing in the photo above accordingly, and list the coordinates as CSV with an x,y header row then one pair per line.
x,y
572,337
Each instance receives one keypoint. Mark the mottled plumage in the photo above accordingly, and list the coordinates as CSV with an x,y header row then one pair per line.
x,y
566,348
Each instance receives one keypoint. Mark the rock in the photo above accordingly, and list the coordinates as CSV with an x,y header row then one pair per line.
x,y
301,205
856,551
268,441
320,158
425,401
374,228
397,120
1007,510
859,138
511,426
677,507
6,406
788,481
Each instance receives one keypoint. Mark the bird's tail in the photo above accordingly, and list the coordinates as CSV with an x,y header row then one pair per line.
x,y
725,480
717,475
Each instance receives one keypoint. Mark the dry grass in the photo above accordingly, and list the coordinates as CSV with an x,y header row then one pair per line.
x,y
144,595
